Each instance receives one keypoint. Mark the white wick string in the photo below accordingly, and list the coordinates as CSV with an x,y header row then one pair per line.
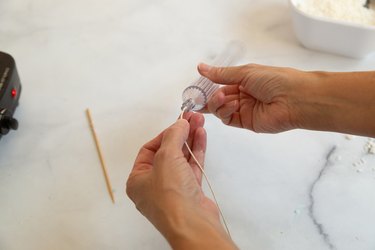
x,y
207,180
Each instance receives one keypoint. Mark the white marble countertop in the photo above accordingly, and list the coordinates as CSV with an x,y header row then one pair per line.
x,y
129,60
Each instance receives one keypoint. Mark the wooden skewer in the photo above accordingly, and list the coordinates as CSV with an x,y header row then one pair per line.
x,y
109,187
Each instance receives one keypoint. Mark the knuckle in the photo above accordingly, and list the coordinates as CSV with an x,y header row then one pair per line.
x,y
141,150
177,127
129,188
134,193
138,207
219,70
252,66
216,101
211,108
227,120
218,73
221,112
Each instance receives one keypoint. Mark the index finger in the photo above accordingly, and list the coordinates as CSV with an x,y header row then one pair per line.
x,y
147,152
221,96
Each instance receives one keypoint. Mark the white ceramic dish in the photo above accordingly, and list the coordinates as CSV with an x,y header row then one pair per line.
x,y
338,37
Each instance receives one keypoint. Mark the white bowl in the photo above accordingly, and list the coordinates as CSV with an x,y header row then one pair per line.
x,y
337,37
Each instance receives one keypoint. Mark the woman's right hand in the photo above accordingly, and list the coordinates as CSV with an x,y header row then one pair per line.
x,y
256,97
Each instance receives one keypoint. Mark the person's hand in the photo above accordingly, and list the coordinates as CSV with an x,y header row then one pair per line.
x,y
165,185
256,97
274,99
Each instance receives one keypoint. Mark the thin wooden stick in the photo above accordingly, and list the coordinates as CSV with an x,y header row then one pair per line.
x,y
109,187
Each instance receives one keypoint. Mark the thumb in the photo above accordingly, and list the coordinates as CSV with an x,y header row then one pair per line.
x,y
175,136
222,75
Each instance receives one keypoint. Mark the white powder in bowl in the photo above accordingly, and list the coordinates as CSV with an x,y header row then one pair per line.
x,y
344,10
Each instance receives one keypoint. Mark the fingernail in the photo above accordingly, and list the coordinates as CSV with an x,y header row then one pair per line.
x,y
204,68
